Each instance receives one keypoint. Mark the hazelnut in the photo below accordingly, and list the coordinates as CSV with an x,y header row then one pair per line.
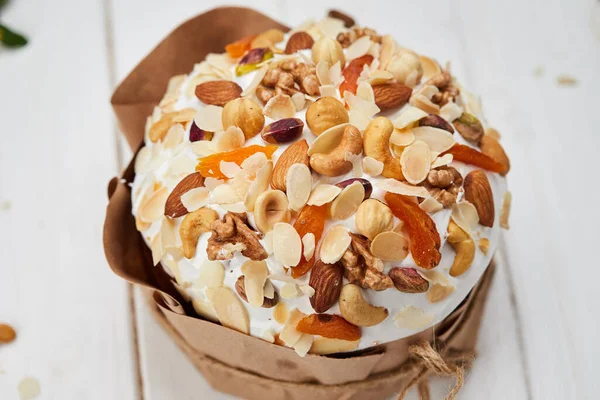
x,y
329,51
324,114
245,114
373,217
270,208
310,84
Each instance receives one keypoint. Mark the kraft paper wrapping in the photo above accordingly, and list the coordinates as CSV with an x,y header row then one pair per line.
x,y
233,362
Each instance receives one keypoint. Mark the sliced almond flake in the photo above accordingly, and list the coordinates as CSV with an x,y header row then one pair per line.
x,y
299,100
221,63
505,213
238,207
205,309
168,233
331,27
347,202
430,67
203,148
182,164
303,345
229,168
279,107
328,91
142,161
240,184
258,77
465,215
299,185
323,194
334,244
281,313
230,310
416,162
402,138
365,91
437,293
173,268
395,186
484,245
289,335
328,140
267,242
254,163
435,276
307,290
212,274
472,103
438,140
208,118
375,50
289,291
269,290
224,194
372,166
359,48
195,198
323,345
366,107
425,104
230,139
408,117
388,48
282,278
211,183
308,245
428,91
410,317
451,111
446,159
322,72
359,119
255,275
390,246
412,79
158,251
287,245
431,205
335,74
184,115
268,336
154,207
259,185
174,136
379,77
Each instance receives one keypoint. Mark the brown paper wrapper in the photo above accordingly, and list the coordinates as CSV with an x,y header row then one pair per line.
x,y
233,362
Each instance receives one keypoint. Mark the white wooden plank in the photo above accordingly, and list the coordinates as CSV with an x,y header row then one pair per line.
x,y
550,137
57,154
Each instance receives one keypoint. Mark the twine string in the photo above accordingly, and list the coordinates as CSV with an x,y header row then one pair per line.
x,y
441,362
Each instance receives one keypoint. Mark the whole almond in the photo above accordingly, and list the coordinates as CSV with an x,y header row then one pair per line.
x,y
491,147
299,41
327,281
408,280
241,290
7,333
479,192
218,93
391,95
173,207
296,153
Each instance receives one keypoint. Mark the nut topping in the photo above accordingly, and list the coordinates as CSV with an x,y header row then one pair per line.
x,y
233,230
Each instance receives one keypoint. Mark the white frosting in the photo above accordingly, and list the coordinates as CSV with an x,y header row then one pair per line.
x,y
261,319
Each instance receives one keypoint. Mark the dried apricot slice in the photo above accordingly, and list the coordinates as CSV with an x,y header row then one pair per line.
x,y
310,219
239,47
210,166
471,156
352,72
329,326
424,237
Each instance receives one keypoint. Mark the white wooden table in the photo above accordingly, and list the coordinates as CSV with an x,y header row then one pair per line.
x,y
84,334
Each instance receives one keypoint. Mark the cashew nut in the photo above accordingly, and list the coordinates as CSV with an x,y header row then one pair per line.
x,y
336,161
463,245
270,208
376,140
192,226
356,310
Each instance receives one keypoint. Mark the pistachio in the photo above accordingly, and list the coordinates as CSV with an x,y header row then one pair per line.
x,y
283,131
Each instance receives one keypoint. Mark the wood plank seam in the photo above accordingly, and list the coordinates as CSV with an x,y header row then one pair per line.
x,y
111,67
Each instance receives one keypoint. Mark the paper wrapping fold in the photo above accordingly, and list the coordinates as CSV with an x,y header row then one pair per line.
x,y
233,362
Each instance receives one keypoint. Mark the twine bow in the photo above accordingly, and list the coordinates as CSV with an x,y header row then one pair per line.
x,y
442,362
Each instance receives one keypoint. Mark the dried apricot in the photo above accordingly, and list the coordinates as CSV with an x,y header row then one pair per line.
x,y
424,237
329,326
469,155
239,47
352,72
310,219
210,166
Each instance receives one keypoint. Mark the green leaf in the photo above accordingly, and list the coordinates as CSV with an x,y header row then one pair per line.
x,y
10,38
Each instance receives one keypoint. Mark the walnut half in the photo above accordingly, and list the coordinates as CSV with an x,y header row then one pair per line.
x,y
231,234
360,266
444,184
